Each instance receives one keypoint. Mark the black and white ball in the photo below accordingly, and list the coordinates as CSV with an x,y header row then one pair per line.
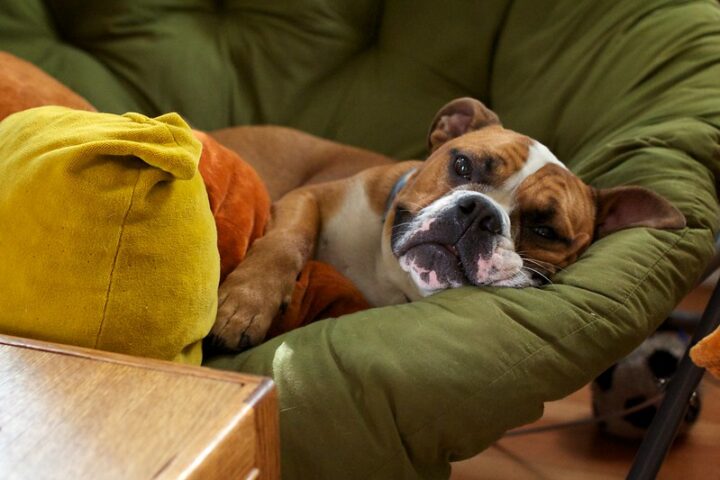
x,y
637,378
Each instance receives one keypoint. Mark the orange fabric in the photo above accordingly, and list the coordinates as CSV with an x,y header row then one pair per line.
x,y
238,200
320,292
24,86
706,353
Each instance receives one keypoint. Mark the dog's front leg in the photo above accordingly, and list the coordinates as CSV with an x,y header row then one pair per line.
x,y
253,294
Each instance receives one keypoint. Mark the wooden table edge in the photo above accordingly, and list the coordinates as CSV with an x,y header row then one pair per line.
x,y
133,361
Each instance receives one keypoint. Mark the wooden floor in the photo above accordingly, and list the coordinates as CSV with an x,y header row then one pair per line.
x,y
581,453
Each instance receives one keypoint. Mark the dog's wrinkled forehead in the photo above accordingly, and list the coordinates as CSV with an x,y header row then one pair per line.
x,y
494,161
538,156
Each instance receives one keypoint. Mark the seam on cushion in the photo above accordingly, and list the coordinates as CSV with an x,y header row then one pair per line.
x,y
494,47
115,258
595,320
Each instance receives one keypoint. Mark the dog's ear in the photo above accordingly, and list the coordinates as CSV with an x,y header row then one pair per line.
x,y
625,207
458,117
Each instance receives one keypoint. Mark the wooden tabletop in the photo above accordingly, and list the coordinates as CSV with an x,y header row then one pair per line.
x,y
68,412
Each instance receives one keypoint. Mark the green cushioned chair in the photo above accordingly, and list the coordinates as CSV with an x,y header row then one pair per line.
x,y
622,91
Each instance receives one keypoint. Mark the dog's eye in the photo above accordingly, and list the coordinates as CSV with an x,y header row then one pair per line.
x,y
463,166
545,232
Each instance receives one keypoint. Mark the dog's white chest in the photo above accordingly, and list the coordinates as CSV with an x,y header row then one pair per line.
x,y
350,241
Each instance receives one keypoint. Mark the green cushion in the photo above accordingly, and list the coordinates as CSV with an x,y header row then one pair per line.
x,y
106,235
622,91
334,68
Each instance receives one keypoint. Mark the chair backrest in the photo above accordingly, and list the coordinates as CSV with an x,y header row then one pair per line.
x,y
364,72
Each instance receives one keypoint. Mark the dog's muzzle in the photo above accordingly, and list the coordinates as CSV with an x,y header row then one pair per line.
x,y
460,239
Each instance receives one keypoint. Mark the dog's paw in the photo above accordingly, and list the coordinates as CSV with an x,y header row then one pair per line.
x,y
245,313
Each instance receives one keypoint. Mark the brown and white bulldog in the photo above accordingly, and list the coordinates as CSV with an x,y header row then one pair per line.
x,y
489,207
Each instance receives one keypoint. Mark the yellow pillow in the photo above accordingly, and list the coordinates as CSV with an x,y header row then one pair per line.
x,y
106,236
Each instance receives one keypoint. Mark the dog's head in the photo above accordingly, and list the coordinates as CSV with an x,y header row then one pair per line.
x,y
493,207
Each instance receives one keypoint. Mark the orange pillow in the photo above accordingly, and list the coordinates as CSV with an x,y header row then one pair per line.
x,y
706,353
238,201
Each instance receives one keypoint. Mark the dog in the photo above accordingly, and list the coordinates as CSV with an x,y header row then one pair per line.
x,y
488,207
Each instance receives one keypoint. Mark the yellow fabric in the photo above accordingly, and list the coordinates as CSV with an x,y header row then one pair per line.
x,y
106,236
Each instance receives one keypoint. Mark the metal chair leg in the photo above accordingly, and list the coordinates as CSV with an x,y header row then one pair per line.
x,y
659,437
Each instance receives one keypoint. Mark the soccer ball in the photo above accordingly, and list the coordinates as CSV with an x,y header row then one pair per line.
x,y
636,379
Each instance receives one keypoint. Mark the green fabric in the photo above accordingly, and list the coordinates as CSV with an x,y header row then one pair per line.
x,y
334,68
624,91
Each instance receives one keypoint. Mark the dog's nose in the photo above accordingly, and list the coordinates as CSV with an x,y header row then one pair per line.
x,y
477,208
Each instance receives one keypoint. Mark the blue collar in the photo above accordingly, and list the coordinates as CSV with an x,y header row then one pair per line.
x,y
395,189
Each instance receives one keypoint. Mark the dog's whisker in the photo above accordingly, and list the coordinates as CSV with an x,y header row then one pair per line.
x,y
538,273
541,263
402,224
